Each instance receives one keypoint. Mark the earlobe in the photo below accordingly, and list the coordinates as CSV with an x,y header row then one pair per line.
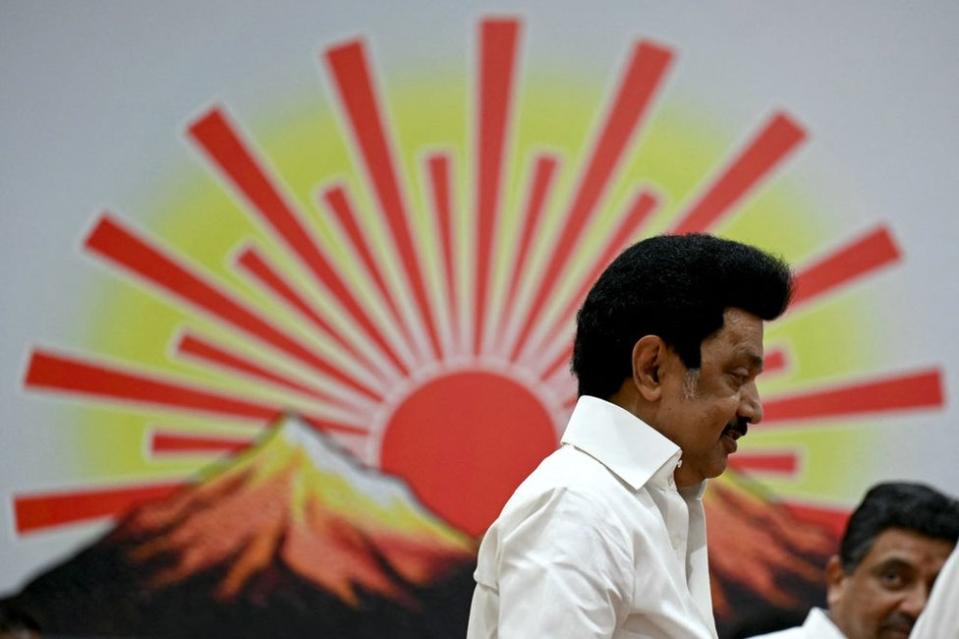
x,y
648,355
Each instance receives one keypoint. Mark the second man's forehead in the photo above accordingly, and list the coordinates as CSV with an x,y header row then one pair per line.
x,y
906,545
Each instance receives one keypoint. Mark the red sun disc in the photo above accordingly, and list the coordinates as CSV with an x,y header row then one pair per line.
x,y
464,441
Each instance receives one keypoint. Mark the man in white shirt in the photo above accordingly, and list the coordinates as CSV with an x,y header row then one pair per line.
x,y
896,542
606,538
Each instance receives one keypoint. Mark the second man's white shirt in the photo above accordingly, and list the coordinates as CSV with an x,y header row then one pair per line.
x,y
817,626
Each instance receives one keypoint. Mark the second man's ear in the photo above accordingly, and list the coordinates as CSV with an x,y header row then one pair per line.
x,y
835,581
649,360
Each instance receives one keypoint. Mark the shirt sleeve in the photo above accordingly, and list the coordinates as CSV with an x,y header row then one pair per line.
x,y
940,618
565,571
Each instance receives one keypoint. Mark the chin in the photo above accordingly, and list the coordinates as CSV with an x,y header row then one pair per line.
x,y
715,470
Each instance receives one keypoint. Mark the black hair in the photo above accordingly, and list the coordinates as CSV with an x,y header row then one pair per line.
x,y
13,620
908,506
677,287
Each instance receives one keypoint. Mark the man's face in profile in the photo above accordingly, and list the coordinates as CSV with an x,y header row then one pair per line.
x,y
885,593
705,411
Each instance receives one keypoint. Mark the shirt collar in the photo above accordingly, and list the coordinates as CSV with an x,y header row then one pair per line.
x,y
819,624
630,448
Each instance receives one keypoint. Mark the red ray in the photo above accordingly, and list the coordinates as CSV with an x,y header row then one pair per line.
x,y
224,145
565,384
747,170
167,443
543,172
196,346
622,237
337,200
785,463
112,241
38,512
563,378
355,86
642,77
251,261
566,390
904,391
831,518
557,364
497,60
775,361
859,257
438,170
65,374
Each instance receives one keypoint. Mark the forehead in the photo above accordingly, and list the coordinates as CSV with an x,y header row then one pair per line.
x,y
911,547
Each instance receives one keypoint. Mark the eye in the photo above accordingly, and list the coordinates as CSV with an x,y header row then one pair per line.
x,y
891,579
739,378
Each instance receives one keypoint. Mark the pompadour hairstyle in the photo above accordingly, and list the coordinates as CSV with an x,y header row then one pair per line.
x,y
676,287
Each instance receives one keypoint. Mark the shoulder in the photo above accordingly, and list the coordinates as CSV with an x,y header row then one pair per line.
x,y
573,504
789,633
816,626
569,493
570,483
572,469
556,529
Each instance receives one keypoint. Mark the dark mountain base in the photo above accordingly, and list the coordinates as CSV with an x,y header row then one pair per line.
x,y
100,594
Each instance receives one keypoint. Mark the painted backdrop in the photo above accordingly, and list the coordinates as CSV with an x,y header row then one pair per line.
x,y
289,289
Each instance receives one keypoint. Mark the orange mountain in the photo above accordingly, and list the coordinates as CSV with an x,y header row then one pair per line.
x,y
293,537
297,498
767,566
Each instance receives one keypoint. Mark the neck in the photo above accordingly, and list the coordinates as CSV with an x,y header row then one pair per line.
x,y
685,478
632,401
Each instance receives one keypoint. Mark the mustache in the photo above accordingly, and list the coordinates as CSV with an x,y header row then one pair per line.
x,y
898,621
740,425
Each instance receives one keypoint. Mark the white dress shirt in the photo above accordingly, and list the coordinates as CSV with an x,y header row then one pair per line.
x,y
817,626
940,617
597,542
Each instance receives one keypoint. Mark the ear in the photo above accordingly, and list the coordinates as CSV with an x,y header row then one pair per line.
x,y
835,581
649,360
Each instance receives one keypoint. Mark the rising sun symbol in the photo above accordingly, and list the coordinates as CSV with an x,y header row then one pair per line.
x,y
431,377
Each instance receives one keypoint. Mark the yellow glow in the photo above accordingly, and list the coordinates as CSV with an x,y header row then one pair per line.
x,y
196,216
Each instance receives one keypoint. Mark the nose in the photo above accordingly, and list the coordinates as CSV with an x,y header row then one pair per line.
x,y
914,601
750,408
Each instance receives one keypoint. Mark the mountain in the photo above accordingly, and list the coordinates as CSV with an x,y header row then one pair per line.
x,y
295,538
291,538
767,566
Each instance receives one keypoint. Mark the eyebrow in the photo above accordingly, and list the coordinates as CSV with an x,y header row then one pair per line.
x,y
898,563
894,561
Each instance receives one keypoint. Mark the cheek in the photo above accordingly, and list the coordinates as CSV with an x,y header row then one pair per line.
x,y
874,603
717,398
882,602
721,410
